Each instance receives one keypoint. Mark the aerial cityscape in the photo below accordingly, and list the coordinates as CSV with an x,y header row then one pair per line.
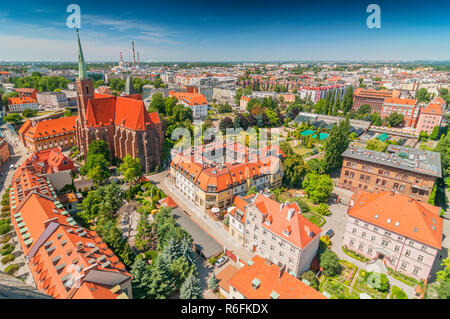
x,y
145,156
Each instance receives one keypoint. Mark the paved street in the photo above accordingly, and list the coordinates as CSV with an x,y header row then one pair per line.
x,y
213,228
18,154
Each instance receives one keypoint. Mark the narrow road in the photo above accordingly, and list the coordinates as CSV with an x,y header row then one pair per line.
x,y
213,228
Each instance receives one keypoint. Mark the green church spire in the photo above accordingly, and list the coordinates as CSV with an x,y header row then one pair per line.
x,y
82,74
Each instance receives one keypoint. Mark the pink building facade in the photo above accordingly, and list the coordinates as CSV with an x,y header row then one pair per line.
x,y
400,250
430,116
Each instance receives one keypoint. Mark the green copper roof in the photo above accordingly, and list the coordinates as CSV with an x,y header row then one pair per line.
x,y
82,74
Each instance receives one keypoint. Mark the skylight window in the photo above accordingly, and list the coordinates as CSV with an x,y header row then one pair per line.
x,y
388,220
397,223
376,216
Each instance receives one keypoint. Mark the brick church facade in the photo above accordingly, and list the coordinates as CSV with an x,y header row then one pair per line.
x,y
122,121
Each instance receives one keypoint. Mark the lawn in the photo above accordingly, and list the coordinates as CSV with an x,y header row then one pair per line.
x,y
397,293
315,219
348,272
362,285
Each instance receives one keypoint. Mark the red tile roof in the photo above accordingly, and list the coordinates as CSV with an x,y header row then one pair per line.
x,y
297,230
394,100
52,127
285,285
400,214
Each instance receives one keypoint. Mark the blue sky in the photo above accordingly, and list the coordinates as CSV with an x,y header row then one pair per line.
x,y
226,30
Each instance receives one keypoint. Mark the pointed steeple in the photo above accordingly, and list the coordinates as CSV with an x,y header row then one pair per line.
x,y
82,74
129,88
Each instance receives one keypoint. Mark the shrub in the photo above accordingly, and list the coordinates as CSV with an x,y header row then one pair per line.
x,y
5,208
7,259
303,206
5,228
5,201
376,280
311,277
323,209
11,269
7,249
5,239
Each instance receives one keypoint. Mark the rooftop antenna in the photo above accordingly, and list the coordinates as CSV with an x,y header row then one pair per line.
x,y
134,57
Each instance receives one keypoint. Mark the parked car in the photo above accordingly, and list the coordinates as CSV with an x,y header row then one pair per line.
x,y
221,261
329,233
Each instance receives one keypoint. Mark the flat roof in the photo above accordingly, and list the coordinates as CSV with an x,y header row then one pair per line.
x,y
400,157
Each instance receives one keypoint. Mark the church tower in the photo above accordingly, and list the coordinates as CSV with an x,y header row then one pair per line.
x,y
85,87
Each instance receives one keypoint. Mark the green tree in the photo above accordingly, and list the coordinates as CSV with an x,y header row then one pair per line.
x,y
191,288
294,171
336,144
377,145
318,187
130,168
347,101
14,118
422,95
157,103
96,168
435,133
213,283
29,113
181,268
161,280
329,261
395,119
99,147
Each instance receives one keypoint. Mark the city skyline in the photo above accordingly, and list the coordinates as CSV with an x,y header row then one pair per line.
x,y
226,32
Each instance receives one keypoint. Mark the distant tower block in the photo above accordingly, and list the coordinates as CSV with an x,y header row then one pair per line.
x,y
138,58
134,57
121,59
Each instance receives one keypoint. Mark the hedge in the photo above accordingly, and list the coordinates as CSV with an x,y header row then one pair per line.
x,y
7,249
5,239
11,269
355,255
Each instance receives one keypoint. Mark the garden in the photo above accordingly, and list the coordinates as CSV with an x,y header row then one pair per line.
x,y
348,272
374,284
337,290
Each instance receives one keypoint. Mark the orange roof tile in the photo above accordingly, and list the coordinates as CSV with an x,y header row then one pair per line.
x,y
225,275
268,274
52,127
394,100
400,214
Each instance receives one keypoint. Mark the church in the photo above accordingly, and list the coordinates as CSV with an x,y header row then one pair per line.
x,y
122,121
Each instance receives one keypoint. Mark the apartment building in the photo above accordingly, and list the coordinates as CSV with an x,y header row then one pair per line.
x,y
407,171
405,233
52,99
48,134
274,231
406,107
429,117
210,182
66,261
261,279
197,102
374,98
18,104
403,170
27,92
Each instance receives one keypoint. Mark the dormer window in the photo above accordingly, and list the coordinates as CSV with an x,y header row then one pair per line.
x,y
255,283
